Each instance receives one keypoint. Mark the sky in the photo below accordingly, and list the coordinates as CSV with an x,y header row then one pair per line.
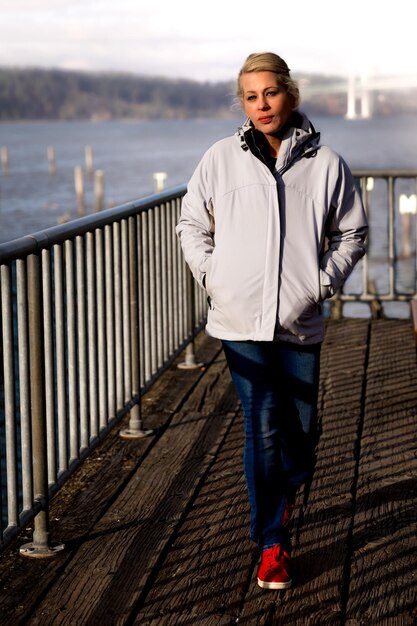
x,y
209,40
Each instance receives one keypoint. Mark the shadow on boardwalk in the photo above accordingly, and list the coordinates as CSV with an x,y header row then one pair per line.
x,y
156,531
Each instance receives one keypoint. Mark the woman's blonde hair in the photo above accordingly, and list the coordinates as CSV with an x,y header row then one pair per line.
x,y
270,62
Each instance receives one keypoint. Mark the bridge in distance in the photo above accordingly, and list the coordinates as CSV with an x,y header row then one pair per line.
x,y
358,88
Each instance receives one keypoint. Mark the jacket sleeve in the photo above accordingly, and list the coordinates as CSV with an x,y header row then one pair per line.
x,y
195,227
346,230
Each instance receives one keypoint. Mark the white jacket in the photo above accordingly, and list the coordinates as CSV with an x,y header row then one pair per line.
x,y
256,239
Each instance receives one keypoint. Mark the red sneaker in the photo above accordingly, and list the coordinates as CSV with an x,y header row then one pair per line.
x,y
274,571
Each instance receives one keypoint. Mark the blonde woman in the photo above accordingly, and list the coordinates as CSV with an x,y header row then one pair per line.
x,y
253,226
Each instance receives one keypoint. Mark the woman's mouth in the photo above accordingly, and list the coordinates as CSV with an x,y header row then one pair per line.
x,y
265,120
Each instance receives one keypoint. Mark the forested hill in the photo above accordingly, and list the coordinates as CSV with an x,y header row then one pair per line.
x,y
36,94
63,95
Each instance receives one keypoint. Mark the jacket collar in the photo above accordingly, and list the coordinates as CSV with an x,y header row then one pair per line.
x,y
300,139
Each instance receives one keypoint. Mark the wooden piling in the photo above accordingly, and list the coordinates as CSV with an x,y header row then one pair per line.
x,y
79,189
407,208
89,159
406,228
159,178
98,190
4,156
51,160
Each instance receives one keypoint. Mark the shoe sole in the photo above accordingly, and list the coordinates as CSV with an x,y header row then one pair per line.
x,y
270,585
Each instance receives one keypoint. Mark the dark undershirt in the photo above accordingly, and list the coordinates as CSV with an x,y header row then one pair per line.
x,y
259,145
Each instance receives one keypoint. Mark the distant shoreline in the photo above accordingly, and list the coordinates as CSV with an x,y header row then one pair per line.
x,y
58,95
127,120
237,117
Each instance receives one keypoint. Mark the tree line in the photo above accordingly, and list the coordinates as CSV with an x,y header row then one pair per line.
x,y
39,94
64,95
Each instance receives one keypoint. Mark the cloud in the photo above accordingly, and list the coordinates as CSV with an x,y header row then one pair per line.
x,y
207,41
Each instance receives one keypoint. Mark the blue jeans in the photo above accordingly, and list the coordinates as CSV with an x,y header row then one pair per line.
x,y
277,383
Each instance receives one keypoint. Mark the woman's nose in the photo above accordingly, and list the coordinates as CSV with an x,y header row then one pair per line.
x,y
263,104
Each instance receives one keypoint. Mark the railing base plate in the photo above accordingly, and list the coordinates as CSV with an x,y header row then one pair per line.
x,y
190,366
135,434
28,550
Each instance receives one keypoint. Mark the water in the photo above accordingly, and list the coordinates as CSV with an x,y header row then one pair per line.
x,y
130,152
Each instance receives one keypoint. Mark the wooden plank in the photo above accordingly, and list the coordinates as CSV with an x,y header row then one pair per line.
x,y
87,495
113,565
204,578
177,558
383,588
200,573
322,527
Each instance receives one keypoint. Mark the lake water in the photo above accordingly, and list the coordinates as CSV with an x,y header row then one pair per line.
x,y
130,152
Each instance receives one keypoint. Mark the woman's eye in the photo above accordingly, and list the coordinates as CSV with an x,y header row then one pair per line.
x,y
272,93
250,98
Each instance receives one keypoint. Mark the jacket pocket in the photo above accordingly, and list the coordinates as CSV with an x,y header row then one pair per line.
x,y
209,274
326,289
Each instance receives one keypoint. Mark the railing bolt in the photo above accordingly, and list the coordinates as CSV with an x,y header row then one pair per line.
x,y
39,548
190,362
135,429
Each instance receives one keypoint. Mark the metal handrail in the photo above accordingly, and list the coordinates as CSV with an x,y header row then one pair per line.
x,y
371,289
94,310
35,242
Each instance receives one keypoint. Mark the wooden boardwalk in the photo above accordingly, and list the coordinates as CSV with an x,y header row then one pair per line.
x,y
156,530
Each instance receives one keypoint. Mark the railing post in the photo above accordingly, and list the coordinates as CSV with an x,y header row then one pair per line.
x,y
413,304
336,308
41,546
190,362
135,429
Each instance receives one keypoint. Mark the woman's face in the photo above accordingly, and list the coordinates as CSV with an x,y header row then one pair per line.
x,y
266,104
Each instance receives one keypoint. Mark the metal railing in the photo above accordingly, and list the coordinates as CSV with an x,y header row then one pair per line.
x,y
94,310
388,271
